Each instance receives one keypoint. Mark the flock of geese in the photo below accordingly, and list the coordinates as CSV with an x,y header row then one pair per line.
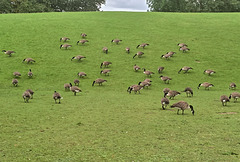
x,y
181,105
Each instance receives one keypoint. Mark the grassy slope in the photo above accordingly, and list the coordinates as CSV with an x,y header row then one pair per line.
x,y
106,123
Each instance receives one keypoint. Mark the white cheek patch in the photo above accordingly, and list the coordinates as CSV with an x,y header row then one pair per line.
x,y
224,100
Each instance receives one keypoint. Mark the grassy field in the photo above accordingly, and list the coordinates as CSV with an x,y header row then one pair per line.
x,y
105,123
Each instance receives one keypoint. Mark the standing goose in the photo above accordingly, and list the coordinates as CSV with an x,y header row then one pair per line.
x,y
206,85
147,72
165,79
57,96
144,84
64,39
209,72
232,86
182,105
127,50
105,64
171,94
116,41
189,91
184,49
235,96
185,69
76,82
31,92
224,99
28,60
143,45
82,41
105,71
129,88
165,91
65,46
160,69
164,102
30,73
15,82
182,44
74,89
9,53
136,67
26,96
105,50
66,86
16,74
136,89
83,35
79,57
139,54
81,74
99,81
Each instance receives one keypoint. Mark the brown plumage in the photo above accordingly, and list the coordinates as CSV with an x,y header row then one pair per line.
x,y
136,89
105,71
206,85
105,64
83,35
235,96
116,41
26,96
143,45
189,91
79,57
129,88
147,80
182,44
165,91
76,82
139,54
232,86
224,99
57,96
166,56
184,49
15,82
31,92
171,53
9,53
30,73
67,86
164,102
182,105
105,50
64,39
165,79
160,69
147,72
65,46
99,81
144,84
127,50
28,60
209,72
171,94
81,74
185,69
136,67
16,74
82,41
74,89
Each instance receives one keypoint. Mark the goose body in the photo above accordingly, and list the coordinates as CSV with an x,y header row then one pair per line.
x,y
9,53
185,69
139,54
83,41
143,45
74,89
189,91
26,96
105,64
182,105
64,39
206,85
79,57
66,46
165,79
29,60
235,96
164,102
57,96
81,74
209,71
224,99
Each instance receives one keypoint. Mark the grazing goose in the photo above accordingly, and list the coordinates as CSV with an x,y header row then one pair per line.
x,y
67,86
9,53
224,99
81,74
189,91
136,89
74,89
165,91
30,73
182,105
184,49
143,45
144,84
57,96
232,86
171,53
136,67
139,54
235,96
16,74
164,102
15,82
83,35
105,64
76,82
147,80
165,79
206,85
171,94
105,71
26,96
182,44
129,88
166,56
64,39
116,41
65,46
105,50
209,72
147,72
31,92
160,69
28,60
82,41
127,50
99,81
185,69
79,57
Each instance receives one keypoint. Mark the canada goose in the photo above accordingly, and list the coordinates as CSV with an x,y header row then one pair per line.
x,y
127,50
185,69
182,44
105,64
30,73
129,88
232,86
171,94
147,72
9,53
139,54
116,41
165,91
57,96
142,45
81,74
105,50
99,81
184,49
147,80
15,82
164,102
28,60
83,35
206,85
65,46
144,84
182,105
79,57
82,41
171,53
66,86
209,72
189,91
76,82
136,89
234,95
224,99
31,92
160,69
166,56
26,96
165,79
64,39
16,74
74,89
105,71
136,67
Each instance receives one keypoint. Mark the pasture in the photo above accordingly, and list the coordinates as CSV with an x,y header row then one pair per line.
x,y
105,123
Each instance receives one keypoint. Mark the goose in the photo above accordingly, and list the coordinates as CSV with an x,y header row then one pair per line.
x,y
82,41
15,82
28,60
9,53
184,49
79,57
127,50
232,86
182,105
81,74
182,44
144,84
189,91
136,89
136,67
66,86
171,94
143,45
235,96
209,72
206,85
65,46
31,92
76,82
105,64
74,89
30,73
166,56
160,69
224,99
64,39
83,35
129,88
105,71
57,96
116,41
165,79
164,102
147,72
99,81
16,74
139,54
165,91
26,96
105,50
185,69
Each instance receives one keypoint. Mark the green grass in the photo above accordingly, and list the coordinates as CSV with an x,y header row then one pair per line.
x,y
105,123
